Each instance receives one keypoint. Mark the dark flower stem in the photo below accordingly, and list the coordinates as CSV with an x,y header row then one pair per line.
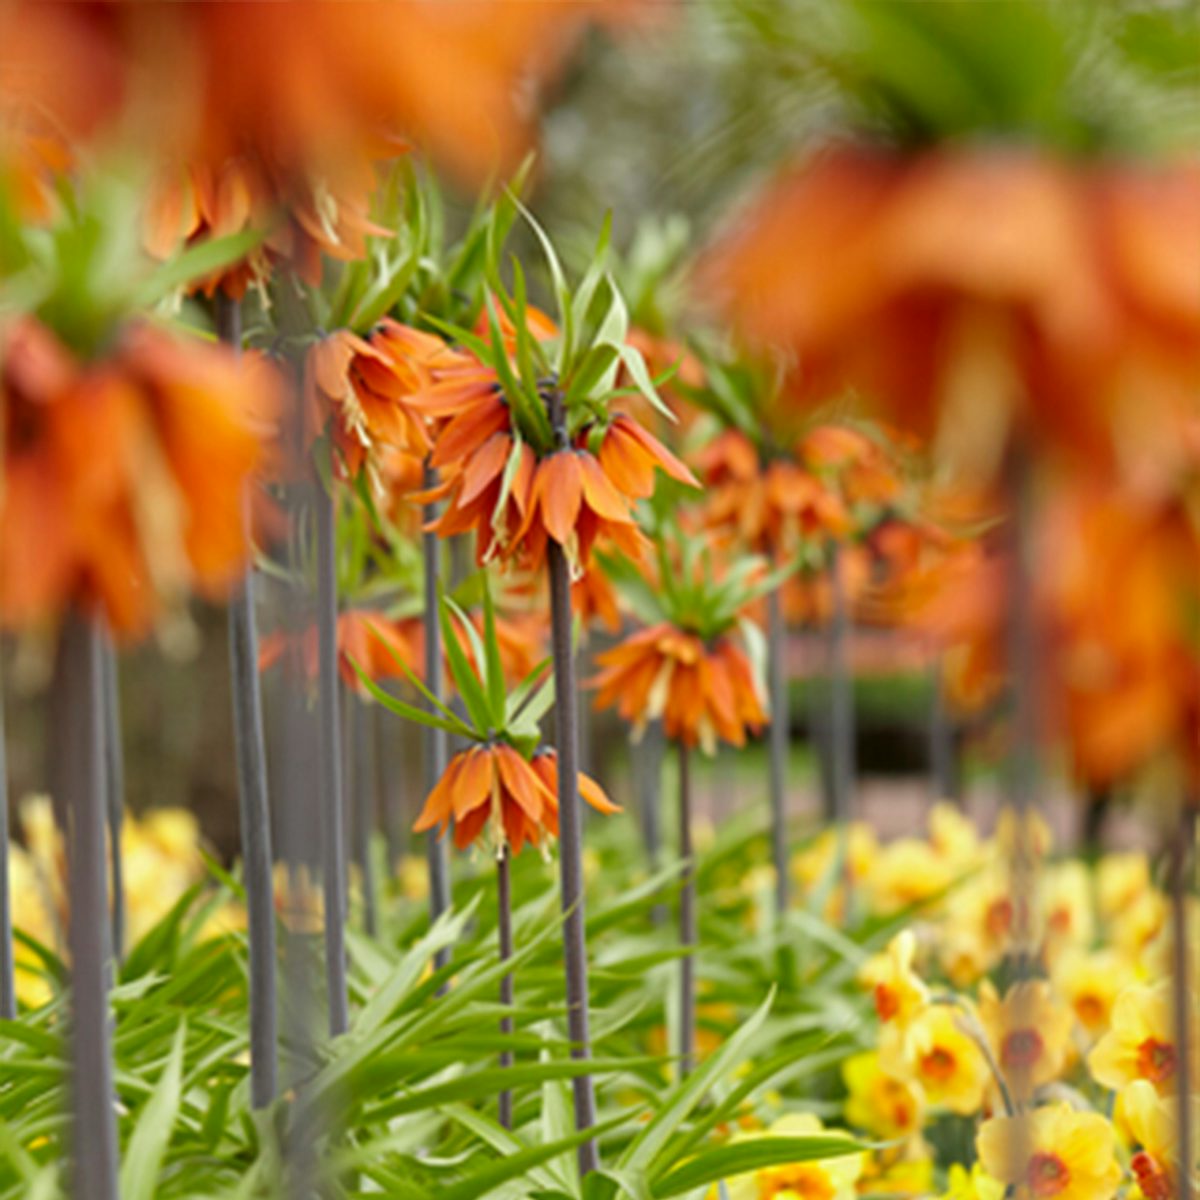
x,y
504,931
114,789
1181,851
647,757
1023,765
943,757
687,920
333,807
841,731
777,745
362,723
436,748
8,990
566,730
78,780
253,809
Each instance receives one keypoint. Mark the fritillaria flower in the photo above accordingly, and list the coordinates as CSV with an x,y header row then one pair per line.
x,y
158,513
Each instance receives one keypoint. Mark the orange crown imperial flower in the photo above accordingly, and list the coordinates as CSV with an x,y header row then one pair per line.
x,y
494,788
688,667
123,476
700,691
538,457
499,784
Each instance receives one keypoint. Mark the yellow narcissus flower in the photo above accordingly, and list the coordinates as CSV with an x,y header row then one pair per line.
x,y
824,1179
898,990
940,1056
953,836
907,872
975,1184
1120,880
31,914
1029,1031
1052,1153
978,927
908,1174
1151,1122
880,1103
1065,898
1090,984
160,854
1036,836
1136,927
811,866
1141,1042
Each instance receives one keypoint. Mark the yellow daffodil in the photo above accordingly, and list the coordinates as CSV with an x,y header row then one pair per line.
x,y
1029,1031
1141,1042
978,927
1090,983
1120,880
879,1103
907,872
952,835
1136,927
908,1173
898,990
1065,899
938,1054
1031,834
1052,1153
1151,1123
975,1184
824,1179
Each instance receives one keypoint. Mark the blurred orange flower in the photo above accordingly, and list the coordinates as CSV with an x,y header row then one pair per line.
x,y
371,639
160,511
701,692
493,785
972,292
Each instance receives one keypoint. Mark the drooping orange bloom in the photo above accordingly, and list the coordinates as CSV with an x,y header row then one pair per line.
x,y
365,637
295,81
301,218
769,509
858,465
972,292
493,788
364,391
517,503
701,692
155,515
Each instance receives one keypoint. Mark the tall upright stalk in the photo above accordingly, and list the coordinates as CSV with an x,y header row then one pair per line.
x,y
364,776
333,806
777,744
841,714
436,748
1181,853
647,761
1023,766
114,788
566,733
943,755
505,936
687,920
8,988
254,815
78,780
